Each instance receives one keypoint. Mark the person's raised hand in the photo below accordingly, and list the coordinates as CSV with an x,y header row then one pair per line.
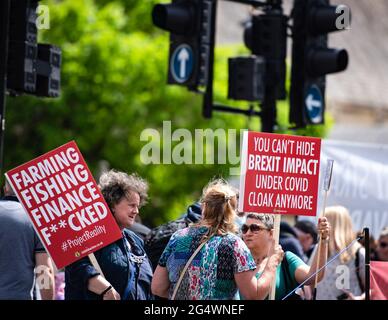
x,y
323,228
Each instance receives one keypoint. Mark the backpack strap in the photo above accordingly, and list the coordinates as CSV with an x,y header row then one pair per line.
x,y
357,263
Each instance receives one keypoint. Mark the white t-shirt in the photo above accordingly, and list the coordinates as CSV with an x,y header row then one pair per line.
x,y
341,276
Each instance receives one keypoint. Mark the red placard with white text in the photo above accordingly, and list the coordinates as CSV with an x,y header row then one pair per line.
x,y
279,174
64,203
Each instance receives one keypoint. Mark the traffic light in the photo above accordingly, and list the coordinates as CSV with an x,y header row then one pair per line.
x,y
31,67
191,27
312,60
246,78
266,36
22,46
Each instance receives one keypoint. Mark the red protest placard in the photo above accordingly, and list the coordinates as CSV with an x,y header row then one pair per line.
x,y
64,203
279,174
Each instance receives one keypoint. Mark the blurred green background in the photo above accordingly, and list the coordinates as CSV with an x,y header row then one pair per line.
x,y
113,87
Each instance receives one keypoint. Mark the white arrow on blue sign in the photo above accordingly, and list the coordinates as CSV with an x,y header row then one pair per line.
x,y
314,104
182,62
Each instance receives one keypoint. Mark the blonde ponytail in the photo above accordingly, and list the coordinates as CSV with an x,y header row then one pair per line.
x,y
219,201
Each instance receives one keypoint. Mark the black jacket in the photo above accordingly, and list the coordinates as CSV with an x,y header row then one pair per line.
x,y
118,269
157,239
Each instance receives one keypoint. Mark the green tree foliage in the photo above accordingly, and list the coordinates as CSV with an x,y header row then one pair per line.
x,y
113,87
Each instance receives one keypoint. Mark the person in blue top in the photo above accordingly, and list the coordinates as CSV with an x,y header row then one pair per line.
x,y
257,233
124,263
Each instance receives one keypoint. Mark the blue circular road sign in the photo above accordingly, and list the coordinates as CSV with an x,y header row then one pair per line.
x,y
314,104
182,63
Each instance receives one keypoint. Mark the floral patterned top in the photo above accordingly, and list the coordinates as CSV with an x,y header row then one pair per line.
x,y
211,273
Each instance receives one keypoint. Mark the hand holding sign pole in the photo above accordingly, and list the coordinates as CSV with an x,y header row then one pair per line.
x,y
326,188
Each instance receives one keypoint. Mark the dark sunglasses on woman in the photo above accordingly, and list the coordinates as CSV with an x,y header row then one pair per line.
x,y
254,227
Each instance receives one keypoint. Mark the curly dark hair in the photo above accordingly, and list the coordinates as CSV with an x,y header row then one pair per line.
x,y
116,185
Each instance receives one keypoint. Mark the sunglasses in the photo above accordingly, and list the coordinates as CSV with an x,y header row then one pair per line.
x,y
253,227
383,244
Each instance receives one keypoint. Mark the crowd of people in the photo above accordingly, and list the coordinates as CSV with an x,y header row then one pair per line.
x,y
212,252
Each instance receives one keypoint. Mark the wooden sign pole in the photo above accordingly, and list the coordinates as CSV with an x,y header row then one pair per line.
x,y
276,235
95,264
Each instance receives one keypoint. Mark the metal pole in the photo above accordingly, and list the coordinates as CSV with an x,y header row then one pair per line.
x,y
367,264
222,108
208,97
274,60
253,3
4,26
268,109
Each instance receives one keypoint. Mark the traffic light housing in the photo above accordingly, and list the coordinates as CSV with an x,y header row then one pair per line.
x,y
312,60
191,27
22,46
48,66
266,36
246,78
31,67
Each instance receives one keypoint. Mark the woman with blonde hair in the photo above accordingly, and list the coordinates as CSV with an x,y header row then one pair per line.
x,y
207,260
345,276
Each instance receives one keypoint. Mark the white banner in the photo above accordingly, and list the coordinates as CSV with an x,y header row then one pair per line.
x,y
359,182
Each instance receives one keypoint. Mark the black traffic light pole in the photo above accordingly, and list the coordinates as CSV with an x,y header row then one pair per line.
x,y
254,3
367,263
4,26
268,109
